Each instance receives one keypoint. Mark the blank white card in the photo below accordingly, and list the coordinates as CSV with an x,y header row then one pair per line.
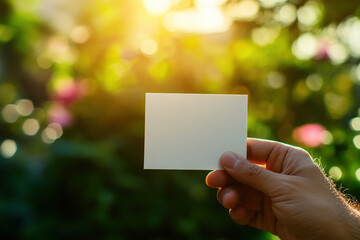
x,y
192,131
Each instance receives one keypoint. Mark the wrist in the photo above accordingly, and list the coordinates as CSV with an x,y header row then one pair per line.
x,y
351,224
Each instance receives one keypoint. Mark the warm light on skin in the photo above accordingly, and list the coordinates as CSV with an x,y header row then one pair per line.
x,y
8,148
335,172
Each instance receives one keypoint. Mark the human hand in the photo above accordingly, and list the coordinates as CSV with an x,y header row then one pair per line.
x,y
291,198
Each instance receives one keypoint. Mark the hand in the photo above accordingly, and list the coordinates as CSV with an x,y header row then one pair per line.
x,y
290,198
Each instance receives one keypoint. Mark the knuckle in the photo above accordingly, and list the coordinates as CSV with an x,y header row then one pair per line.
x,y
252,170
303,153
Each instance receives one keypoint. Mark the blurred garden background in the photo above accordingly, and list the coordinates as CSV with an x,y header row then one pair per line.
x,y
73,77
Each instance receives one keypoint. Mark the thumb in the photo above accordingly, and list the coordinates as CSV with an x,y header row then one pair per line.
x,y
248,173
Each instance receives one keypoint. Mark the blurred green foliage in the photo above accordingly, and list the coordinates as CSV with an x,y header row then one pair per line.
x,y
86,65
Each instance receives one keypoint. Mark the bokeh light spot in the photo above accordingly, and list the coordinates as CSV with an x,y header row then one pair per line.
x,y
25,107
311,135
276,80
264,35
243,10
338,53
58,129
357,174
6,33
31,127
305,46
10,113
314,82
356,141
355,124
309,14
44,61
328,138
80,34
193,20
286,14
49,135
8,148
148,46
349,33
335,172
271,3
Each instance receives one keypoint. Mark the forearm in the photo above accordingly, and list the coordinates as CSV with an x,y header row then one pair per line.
x,y
345,225
353,227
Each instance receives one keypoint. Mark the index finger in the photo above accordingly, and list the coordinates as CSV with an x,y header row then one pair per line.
x,y
259,151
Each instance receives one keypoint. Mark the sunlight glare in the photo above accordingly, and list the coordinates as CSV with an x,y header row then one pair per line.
x,y
244,10
194,20
157,7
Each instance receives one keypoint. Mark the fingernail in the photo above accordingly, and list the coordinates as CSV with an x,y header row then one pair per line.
x,y
229,160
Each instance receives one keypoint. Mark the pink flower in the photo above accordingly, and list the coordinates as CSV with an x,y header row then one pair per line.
x,y
311,135
61,115
323,50
70,92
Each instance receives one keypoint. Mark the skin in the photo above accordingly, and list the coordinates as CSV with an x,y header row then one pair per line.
x,y
290,196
